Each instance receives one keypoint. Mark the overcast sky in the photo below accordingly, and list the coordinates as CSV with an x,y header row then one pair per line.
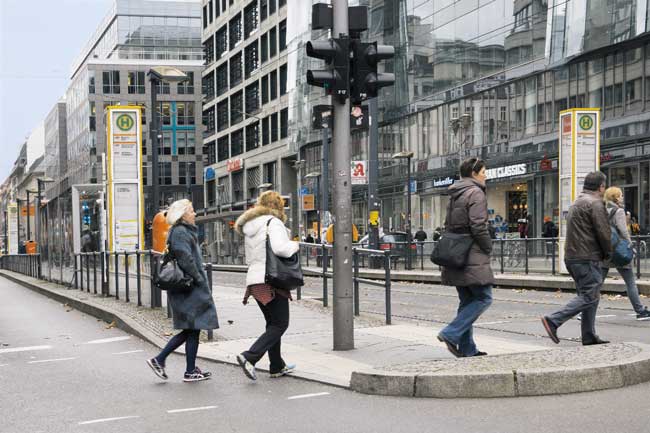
x,y
39,39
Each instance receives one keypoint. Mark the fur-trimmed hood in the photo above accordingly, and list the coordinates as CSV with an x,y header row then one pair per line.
x,y
255,212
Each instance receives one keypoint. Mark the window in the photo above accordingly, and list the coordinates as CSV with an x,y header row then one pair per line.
x,y
274,127
235,31
210,153
165,110
91,81
237,143
283,79
208,121
92,116
185,113
221,42
205,16
238,186
111,82
208,87
236,108
265,131
269,173
265,89
186,172
208,50
236,74
284,123
222,115
210,192
250,19
136,83
222,79
271,7
211,14
164,173
264,11
187,87
223,149
273,47
163,88
252,136
252,98
181,143
283,35
250,59
166,143
264,47
191,142
273,83
281,3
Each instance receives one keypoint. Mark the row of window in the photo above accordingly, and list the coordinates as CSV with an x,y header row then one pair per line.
x,y
220,193
136,83
186,171
214,8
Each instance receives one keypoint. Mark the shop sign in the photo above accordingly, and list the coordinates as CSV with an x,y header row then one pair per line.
x,y
308,202
546,164
446,181
359,173
234,165
209,173
507,171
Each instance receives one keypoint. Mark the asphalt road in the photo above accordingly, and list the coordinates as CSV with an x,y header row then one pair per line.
x,y
63,371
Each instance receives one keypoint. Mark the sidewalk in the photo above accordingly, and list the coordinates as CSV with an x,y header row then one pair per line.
x,y
401,359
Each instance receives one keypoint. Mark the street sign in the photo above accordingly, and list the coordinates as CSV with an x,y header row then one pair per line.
x,y
304,190
359,173
414,186
308,202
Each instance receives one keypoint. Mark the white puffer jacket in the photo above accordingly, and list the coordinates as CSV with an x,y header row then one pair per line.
x,y
253,225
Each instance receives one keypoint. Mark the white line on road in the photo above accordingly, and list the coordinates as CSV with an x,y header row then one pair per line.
x,y
605,315
3,365
318,394
493,323
127,352
50,360
24,349
108,340
191,409
95,421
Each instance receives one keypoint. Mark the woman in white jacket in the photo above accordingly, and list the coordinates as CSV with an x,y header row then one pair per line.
x,y
267,216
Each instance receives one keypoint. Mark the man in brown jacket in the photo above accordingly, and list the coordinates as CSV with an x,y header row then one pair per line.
x,y
467,213
588,243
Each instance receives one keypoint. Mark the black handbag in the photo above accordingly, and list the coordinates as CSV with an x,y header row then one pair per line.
x,y
452,249
169,276
281,272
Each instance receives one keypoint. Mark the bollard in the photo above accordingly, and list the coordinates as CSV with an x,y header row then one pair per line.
x,y
421,256
88,272
355,262
39,265
503,240
76,280
138,273
117,275
95,273
152,288
638,257
553,256
387,294
526,254
209,272
103,262
126,275
324,260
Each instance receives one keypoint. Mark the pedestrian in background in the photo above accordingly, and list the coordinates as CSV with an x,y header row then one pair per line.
x,y
588,244
421,235
467,213
267,218
193,310
616,215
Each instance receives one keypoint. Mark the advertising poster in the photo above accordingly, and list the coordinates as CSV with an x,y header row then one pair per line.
x,y
12,230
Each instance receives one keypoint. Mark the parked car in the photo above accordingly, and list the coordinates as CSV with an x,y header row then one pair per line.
x,y
396,242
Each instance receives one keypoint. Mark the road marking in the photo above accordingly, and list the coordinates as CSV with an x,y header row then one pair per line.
x,y
493,323
118,418
50,360
24,349
127,352
108,340
191,409
605,315
3,365
318,394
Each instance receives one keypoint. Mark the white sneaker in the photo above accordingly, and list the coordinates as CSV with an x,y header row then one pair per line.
x,y
249,369
287,369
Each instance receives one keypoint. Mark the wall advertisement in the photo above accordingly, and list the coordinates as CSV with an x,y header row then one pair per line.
x,y
12,229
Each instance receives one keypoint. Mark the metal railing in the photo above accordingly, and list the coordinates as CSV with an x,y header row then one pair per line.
x,y
26,264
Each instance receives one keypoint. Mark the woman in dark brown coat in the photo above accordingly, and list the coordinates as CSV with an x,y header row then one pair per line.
x,y
467,213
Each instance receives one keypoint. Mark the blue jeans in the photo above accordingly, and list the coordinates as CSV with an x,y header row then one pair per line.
x,y
630,286
473,302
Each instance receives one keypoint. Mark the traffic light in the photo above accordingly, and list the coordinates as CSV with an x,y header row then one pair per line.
x,y
365,81
335,79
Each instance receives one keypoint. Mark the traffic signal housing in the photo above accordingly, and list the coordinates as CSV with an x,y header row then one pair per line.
x,y
365,80
336,53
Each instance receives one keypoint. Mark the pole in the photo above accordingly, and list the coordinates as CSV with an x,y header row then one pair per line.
x,y
37,215
324,181
373,174
409,236
320,205
18,224
6,238
155,200
343,317
29,229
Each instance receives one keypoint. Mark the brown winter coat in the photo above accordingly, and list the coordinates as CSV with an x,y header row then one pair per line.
x,y
467,213
588,234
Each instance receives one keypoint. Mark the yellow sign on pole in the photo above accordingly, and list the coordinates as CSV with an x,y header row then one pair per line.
x,y
308,202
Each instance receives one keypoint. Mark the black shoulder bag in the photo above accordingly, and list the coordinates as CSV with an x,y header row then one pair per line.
x,y
168,274
452,250
281,272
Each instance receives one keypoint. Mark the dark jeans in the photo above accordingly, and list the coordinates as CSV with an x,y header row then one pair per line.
x,y
473,302
191,339
588,277
630,286
276,314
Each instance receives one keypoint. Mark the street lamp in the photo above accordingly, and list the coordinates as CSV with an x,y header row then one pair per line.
x,y
158,75
316,175
29,230
407,155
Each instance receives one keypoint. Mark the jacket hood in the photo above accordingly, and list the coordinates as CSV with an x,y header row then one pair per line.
x,y
463,185
251,214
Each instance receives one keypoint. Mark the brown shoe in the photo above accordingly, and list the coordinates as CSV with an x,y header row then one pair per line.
x,y
551,330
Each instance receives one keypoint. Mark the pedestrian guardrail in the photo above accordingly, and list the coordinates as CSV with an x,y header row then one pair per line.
x,y
26,264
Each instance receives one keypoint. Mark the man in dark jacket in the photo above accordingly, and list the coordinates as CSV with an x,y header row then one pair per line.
x,y
588,243
467,213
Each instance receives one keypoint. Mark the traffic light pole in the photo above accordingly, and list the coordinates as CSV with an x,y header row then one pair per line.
x,y
325,183
373,175
343,317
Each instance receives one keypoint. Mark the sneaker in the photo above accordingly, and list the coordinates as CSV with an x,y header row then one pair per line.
x,y
197,375
287,369
249,369
451,347
158,369
643,315
551,330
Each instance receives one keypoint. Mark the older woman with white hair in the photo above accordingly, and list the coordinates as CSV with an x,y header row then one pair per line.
x,y
193,310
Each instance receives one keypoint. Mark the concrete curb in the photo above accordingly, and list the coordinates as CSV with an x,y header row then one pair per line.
x,y
515,383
